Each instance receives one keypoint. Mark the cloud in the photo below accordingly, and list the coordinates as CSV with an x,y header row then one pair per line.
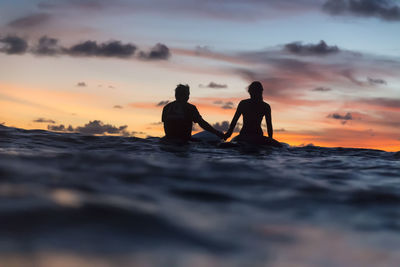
x,y
228,105
60,128
202,49
91,128
289,76
12,44
30,21
214,85
388,10
108,49
47,47
344,118
237,10
279,130
118,107
311,49
321,89
98,127
162,103
134,133
393,103
40,120
224,105
158,52
224,126
372,81
81,84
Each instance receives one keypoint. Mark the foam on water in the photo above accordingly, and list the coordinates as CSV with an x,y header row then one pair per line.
x,y
74,200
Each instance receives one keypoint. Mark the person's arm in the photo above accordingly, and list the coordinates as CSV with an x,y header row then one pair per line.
x,y
268,120
163,119
236,117
206,126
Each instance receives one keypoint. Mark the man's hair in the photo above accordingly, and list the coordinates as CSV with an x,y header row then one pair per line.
x,y
182,91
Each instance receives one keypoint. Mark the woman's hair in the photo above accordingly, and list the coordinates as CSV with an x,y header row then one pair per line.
x,y
256,91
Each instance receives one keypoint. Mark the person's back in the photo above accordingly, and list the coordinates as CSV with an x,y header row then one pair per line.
x,y
253,113
178,117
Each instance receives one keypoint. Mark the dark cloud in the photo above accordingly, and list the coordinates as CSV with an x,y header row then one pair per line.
x,y
228,105
30,21
118,107
81,84
47,47
40,120
321,89
279,130
162,103
344,118
158,52
224,126
134,133
60,128
311,49
214,85
224,105
388,10
98,127
12,44
372,81
109,49
91,128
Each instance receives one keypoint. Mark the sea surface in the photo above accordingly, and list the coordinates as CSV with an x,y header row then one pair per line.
x,y
72,200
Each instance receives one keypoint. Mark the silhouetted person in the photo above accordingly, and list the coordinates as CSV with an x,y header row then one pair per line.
x,y
179,115
253,111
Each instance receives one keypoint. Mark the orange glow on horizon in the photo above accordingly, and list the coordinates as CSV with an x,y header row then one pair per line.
x,y
20,106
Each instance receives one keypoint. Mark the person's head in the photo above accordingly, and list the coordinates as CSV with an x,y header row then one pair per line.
x,y
182,93
256,91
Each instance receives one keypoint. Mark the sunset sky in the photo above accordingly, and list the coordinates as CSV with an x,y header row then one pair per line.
x,y
330,68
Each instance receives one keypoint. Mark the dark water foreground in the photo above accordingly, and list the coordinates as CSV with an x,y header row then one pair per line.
x,y
73,200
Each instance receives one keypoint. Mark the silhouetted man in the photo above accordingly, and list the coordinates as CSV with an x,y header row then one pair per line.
x,y
179,115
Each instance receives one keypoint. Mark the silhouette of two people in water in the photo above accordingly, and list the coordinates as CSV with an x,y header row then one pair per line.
x,y
179,115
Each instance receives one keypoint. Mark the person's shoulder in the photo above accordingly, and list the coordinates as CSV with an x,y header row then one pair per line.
x,y
170,104
191,106
244,102
266,105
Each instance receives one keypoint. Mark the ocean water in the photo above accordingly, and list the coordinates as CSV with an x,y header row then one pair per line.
x,y
72,200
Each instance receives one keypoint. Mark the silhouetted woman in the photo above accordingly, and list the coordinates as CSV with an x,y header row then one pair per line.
x,y
253,111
